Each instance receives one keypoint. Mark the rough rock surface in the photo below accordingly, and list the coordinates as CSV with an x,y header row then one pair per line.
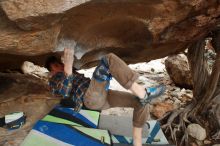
x,y
178,69
35,70
137,31
37,14
16,41
160,109
23,93
196,131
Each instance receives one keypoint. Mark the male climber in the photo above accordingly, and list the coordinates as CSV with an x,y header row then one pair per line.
x,y
94,93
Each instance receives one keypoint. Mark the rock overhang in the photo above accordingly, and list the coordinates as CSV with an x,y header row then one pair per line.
x,y
137,31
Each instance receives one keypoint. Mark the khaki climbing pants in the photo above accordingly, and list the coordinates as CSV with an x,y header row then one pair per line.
x,y
98,98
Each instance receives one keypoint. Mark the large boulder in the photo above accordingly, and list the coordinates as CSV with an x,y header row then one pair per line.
x,y
178,69
37,14
20,92
16,41
136,31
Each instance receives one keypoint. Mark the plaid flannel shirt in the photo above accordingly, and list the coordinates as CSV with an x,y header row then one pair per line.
x,y
73,86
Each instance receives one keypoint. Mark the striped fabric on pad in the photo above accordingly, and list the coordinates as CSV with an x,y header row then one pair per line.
x,y
85,118
155,136
55,134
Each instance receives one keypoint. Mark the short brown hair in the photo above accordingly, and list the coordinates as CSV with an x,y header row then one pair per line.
x,y
51,60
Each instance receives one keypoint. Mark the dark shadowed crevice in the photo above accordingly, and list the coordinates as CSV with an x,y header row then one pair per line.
x,y
5,83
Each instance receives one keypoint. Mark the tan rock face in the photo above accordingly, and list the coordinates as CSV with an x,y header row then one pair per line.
x,y
178,69
23,93
137,31
37,14
16,41
161,108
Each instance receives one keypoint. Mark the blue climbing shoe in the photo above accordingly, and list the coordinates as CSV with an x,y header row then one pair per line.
x,y
152,93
